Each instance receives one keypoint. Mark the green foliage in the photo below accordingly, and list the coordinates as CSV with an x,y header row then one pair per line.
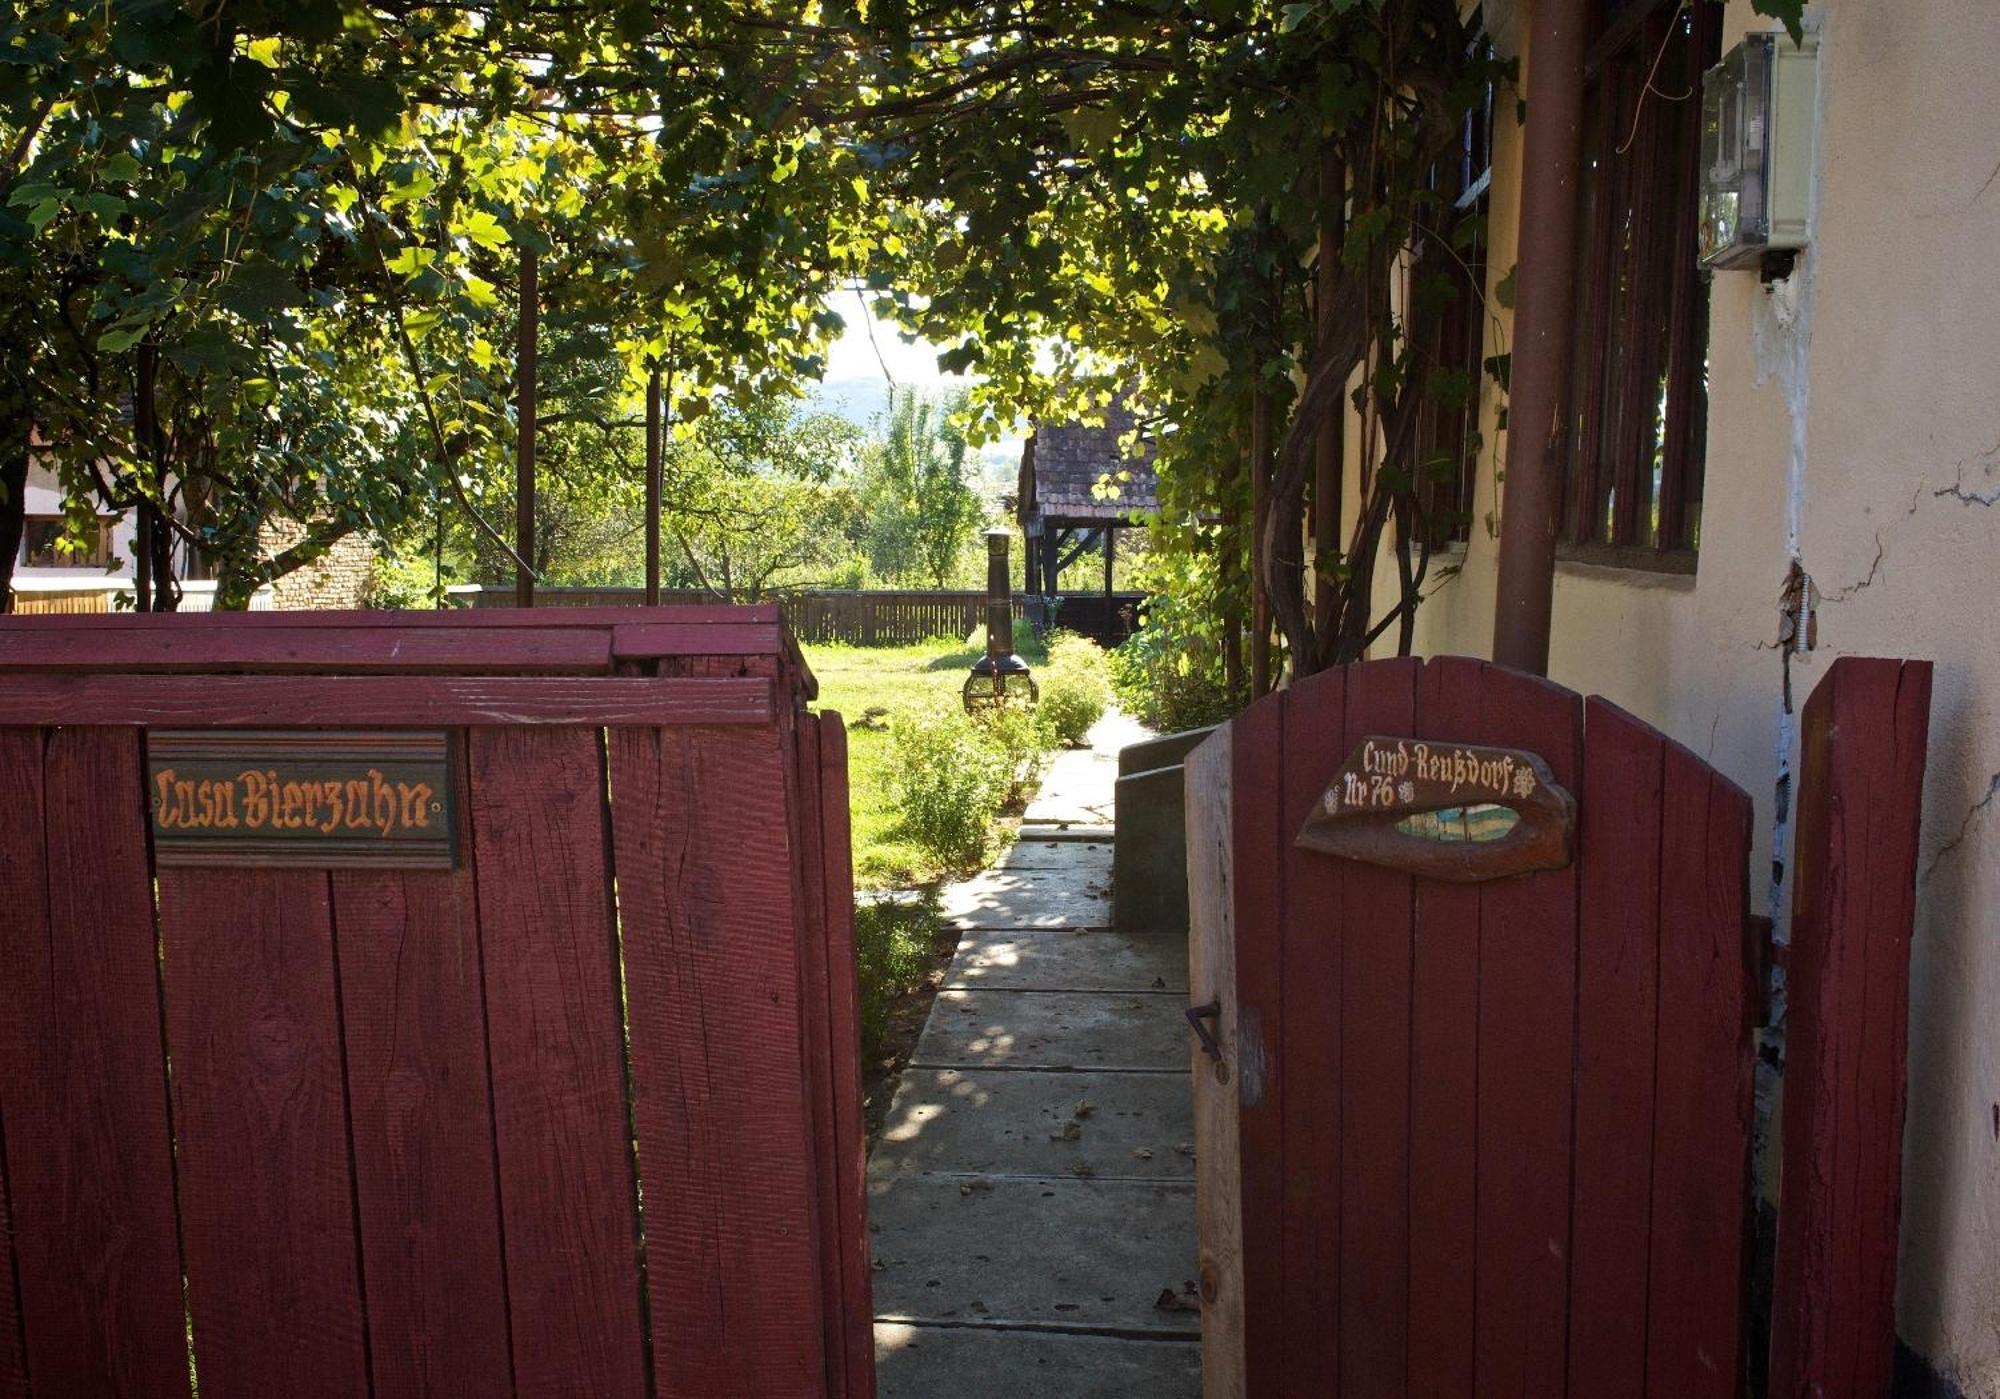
x,y
919,507
1076,687
1169,675
1021,738
292,236
1790,13
953,776
892,951
759,498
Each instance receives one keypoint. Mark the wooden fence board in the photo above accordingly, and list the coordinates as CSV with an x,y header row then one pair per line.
x,y
712,968
1618,960
415,1032
304,650
266,1201
816,983
1377,912
272,701
1863,743
567,1192
1307,1170
1444,1076
1527,989
1211,849
81,1073
844,1027
13,1360
501,614
1701,1166
1259,757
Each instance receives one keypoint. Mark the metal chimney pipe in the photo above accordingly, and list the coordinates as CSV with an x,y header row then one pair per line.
x,y
987,685
999,595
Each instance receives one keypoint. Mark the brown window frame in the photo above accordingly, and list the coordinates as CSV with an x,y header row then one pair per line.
x,y
1636,417
1458,340
40,533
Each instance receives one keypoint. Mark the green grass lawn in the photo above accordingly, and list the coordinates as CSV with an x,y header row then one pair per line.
x,y
900,947
865,684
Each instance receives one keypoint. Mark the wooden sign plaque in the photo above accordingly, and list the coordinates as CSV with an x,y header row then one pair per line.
x,y
313,799
1454,811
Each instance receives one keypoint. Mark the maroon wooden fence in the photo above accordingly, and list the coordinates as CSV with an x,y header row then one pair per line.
x,y
1491,1136
580,1116
1863,746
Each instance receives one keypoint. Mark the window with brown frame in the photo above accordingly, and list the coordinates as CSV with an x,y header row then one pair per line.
x,y
1448,441
1635,425
42,535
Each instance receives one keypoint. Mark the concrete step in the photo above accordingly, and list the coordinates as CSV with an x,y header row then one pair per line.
x,y
1081,859
1056,1030
1026,898
1094,1125
1078,1254
1081,959
957,1362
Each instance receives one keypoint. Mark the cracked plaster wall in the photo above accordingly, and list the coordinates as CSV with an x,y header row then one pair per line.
x,y
1885,356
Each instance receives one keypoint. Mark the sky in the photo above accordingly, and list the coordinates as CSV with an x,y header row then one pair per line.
x,y
853,358
856,389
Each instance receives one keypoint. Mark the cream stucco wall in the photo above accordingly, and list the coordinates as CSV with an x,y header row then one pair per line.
x,y
1854,416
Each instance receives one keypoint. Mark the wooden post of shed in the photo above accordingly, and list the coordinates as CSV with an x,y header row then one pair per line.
x,y
524,462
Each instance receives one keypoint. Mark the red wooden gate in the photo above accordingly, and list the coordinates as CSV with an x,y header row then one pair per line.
x,y
580,1116
1471,1138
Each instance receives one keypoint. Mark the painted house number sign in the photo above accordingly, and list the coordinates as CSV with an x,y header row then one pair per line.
x,y
1454,811
302,799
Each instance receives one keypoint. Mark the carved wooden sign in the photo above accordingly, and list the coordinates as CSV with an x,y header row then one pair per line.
x,y
1455,811
299,798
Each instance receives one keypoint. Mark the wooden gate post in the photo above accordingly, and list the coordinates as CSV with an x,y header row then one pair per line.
x,y
1833,1325
1212,981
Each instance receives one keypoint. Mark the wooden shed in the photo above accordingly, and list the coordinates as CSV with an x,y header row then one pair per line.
x,y
1079,487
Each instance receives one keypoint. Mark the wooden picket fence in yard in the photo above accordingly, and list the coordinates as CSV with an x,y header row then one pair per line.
x,y
577,1115
852,617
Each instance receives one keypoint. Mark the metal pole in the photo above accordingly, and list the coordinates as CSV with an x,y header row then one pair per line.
x,y
999,597
655,449
524,464
1546,278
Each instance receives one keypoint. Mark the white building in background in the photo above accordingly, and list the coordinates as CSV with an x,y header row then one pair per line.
x,y
49,578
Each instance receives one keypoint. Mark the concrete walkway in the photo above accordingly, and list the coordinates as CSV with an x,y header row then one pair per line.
x,y
1032,1196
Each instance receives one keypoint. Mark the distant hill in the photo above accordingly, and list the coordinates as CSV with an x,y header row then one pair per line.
x,y
860,400
864,401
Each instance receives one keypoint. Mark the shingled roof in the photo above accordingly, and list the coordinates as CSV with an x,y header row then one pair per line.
x,y
1063,463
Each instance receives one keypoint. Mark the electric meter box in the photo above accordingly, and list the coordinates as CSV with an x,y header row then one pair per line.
x,y
1759,110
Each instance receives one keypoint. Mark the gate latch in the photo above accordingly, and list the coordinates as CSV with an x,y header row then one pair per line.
x,y
1195,1015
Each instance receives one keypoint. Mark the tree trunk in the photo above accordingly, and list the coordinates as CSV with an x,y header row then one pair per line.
x,y
14,453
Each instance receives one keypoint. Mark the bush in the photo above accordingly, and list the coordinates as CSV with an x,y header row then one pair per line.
x,y
951,779
891,952
1076,687
1168,675
1019,737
